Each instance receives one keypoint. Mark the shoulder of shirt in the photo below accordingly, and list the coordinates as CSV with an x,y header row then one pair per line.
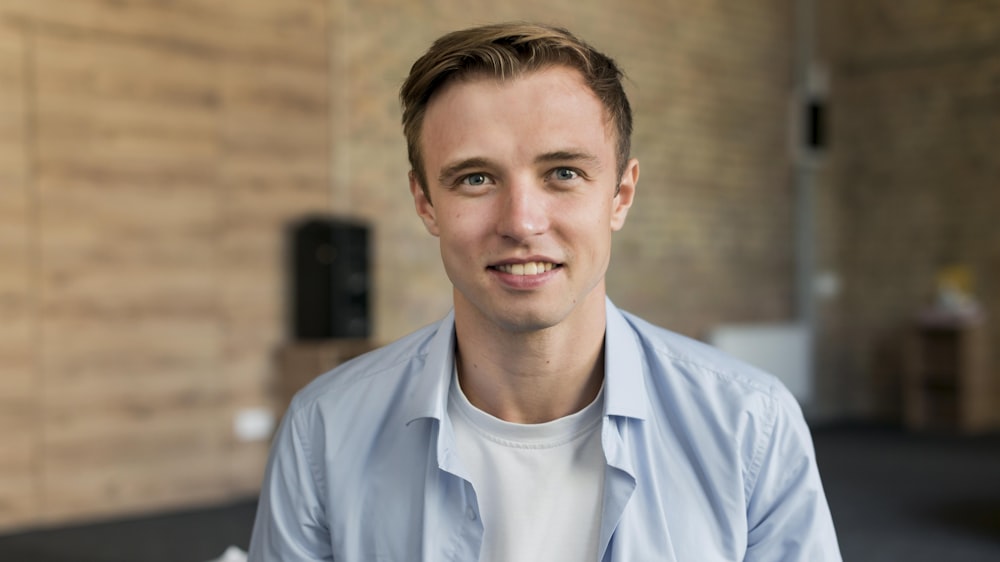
x,y
337,383
704,363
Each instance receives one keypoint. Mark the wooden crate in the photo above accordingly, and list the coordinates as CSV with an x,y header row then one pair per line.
x,y
948,382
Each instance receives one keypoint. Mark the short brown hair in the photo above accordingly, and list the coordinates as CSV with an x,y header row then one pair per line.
x,y
505,51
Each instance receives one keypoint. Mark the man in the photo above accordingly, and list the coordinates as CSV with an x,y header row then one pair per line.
x,y
536,421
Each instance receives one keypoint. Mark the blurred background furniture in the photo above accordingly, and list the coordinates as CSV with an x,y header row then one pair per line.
x,y
947,382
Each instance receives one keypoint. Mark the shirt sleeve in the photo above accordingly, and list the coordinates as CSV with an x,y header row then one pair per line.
x,y
787,514
291,522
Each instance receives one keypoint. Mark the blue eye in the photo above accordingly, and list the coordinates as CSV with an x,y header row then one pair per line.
x,y
564,174
475,179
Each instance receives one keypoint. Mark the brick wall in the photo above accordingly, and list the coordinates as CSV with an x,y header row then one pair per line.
x,y
912,183
150,155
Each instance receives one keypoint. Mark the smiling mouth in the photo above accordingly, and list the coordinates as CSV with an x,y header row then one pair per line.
x,y
530,268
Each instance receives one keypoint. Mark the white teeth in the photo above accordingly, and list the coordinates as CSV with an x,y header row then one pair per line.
x,y
530,268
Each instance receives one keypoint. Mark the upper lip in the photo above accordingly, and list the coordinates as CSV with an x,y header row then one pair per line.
x,y
529,259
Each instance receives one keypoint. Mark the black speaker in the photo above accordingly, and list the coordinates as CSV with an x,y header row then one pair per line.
x,y
330,285
815,124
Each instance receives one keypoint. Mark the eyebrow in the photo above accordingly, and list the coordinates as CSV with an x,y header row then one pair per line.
x,y
469,163
568,155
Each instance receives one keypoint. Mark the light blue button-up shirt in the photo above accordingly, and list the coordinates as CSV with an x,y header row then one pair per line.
x,y
708,459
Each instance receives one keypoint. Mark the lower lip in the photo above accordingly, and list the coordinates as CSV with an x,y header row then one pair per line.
x,y
523,282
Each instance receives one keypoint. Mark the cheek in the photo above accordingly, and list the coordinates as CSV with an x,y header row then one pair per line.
x,y
598,218
460,229
470,220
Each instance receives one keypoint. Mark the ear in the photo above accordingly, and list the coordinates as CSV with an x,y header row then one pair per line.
x,y
425,210
626,193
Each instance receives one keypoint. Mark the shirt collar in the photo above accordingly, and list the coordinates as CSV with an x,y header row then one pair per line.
x,y
624,388
429,397
624,383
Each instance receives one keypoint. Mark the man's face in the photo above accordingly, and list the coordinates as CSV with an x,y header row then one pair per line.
x,y
522,178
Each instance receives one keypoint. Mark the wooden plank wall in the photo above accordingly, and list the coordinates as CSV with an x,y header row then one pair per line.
x,y
18,386
151,154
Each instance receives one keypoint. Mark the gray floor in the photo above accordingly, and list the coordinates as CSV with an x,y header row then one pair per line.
x,y
902,497
895,497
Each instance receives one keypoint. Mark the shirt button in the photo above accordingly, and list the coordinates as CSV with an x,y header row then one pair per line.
x,y
470,513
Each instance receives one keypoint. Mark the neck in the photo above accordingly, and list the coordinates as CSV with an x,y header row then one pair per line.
x,y
534,376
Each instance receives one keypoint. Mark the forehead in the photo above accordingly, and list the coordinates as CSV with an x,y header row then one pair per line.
x,y
552,105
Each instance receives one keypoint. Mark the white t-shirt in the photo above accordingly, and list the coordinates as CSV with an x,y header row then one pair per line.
x,y
539,486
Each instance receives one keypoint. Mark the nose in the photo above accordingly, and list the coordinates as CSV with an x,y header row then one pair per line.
x,y
524,210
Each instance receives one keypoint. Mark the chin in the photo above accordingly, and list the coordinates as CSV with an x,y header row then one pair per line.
x,y
516,315
527,321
